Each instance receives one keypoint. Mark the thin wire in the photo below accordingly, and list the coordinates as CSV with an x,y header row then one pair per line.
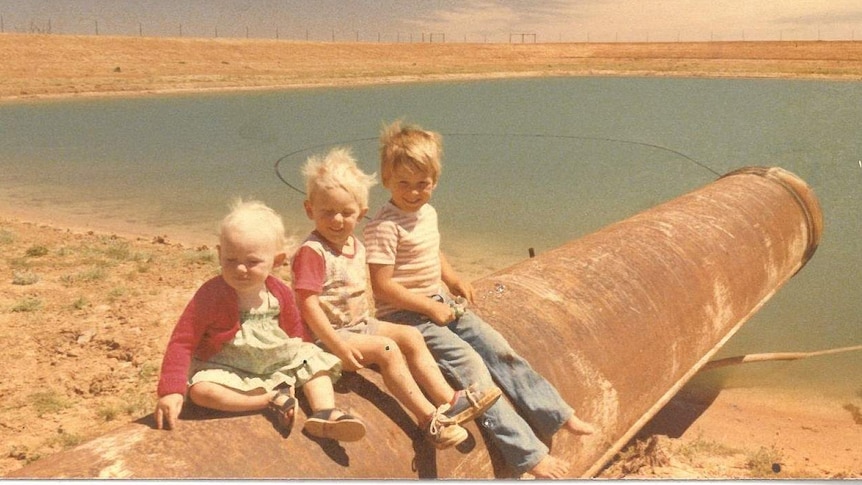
x,y
507,135
315,147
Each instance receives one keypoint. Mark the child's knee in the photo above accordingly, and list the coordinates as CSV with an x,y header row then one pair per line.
x,y
202,393
411,340
389,351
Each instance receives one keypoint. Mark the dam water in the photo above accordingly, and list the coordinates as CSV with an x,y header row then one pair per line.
x,y
528,164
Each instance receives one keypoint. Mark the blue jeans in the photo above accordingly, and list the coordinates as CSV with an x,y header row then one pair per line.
x,y
470,351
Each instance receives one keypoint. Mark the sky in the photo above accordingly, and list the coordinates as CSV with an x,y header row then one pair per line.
x,y
445,20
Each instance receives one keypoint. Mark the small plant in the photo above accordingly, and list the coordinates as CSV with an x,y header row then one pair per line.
x,y
205,256
6,236
21,263
138,405
24,278
28,304
23,453
108,413
144,262
80,303
764,462
49,401
148,370
36,251
87,276
701,446
120,252
117,293
65,440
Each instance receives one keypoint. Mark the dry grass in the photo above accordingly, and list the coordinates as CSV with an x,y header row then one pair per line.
x,y
51,65
85,338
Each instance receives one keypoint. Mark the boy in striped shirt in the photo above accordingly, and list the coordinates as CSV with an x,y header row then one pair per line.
x,y
413,283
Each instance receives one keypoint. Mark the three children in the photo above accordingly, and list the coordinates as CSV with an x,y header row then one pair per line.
x,y
245,322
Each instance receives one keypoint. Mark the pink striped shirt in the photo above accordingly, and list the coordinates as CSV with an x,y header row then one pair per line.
x,y
409,241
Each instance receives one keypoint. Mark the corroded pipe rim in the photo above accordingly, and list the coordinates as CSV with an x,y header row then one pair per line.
x,y
804,196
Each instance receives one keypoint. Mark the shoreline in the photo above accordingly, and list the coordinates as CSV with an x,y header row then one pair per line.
x,y
379,81
53,67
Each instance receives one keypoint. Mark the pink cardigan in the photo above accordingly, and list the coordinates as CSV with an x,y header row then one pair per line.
x,y
210,320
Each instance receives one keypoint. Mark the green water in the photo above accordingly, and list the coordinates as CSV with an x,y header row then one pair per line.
x,y
528,164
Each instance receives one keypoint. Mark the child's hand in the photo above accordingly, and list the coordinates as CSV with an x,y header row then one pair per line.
x,y
441,313
350,356
463,288
168,410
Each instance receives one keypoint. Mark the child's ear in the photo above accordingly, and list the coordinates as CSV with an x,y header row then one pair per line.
x,y
308,208
362,213
279,260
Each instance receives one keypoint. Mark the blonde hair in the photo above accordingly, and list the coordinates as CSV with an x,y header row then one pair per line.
x,y
257,215
337,169
410,147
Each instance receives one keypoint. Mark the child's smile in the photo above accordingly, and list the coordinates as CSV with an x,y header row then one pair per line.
x,y
335,214
410,190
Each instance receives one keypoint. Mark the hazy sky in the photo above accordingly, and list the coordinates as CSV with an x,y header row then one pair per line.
x,y
471,20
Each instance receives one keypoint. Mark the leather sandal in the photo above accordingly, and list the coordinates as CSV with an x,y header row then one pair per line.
x,y
342,428
285,413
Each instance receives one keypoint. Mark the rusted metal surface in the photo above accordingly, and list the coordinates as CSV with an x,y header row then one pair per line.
x,y
618,320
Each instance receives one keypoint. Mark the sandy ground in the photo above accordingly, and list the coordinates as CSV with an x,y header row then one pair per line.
x,y
84,316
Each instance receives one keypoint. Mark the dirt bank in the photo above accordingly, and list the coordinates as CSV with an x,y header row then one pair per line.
x,y
55,65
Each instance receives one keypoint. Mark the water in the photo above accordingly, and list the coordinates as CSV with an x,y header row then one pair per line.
x,y
529,163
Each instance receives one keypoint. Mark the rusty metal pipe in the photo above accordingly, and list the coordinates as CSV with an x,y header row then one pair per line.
x,y
618,320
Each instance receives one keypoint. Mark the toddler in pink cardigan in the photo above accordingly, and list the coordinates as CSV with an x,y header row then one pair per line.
x,y
240,344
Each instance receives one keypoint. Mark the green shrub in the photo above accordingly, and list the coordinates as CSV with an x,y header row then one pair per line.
x,y
49,402
36,251
28,304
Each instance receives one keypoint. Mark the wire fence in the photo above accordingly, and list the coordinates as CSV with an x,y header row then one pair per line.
x,y
95,27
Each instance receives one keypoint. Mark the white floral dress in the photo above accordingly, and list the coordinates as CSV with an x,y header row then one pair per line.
x,y
262,355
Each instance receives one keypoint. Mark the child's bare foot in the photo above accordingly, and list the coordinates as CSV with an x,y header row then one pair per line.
x,y
576,426
550,467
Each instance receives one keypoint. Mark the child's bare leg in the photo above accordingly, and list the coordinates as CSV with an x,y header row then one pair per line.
x,y
384,352
318,390
420,362
221,398
327,421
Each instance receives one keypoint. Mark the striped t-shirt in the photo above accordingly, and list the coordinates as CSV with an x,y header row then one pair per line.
x,y
410,242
